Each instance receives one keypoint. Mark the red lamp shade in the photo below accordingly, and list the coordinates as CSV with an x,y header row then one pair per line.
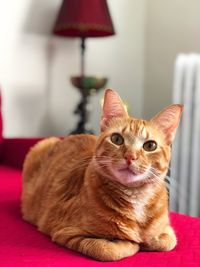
x,y
84,18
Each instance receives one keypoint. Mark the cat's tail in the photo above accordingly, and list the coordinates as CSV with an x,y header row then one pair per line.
x,y
37,155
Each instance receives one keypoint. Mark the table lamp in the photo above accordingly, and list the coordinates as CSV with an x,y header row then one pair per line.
x,y
83,19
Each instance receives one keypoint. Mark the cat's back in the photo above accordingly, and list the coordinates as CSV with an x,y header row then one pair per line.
x,y
69,160
50,151
77,146
54,165
74,153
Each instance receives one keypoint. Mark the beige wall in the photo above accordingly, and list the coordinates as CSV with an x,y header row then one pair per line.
x,y
173,26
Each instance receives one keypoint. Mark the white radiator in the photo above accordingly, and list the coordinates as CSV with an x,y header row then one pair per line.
x,y
185,165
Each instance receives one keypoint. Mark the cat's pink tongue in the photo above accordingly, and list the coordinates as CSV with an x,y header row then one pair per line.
x,y
128,171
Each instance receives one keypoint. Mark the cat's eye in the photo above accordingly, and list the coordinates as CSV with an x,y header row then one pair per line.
x,y
150,145
117,139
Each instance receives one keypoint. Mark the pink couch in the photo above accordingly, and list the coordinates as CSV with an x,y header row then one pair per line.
x,y
21,245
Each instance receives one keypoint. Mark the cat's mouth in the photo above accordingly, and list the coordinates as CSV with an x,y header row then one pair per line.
x,y
129,171
130,176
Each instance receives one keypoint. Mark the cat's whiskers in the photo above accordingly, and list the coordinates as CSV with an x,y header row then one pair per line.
x,y
153,173
160,178
174,188
106,161
83,163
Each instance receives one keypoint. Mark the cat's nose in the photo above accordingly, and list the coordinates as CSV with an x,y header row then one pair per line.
x,y
130,157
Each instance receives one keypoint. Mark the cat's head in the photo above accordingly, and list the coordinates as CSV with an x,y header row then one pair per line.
x,y
134,151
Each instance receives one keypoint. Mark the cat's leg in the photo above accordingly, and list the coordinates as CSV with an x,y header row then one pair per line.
x,y
166,241
97,248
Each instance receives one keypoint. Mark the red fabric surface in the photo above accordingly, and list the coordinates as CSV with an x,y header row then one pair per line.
x,y
1,122
13,150
21,245
1,127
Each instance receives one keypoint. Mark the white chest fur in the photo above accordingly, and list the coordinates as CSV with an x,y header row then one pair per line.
x,y
140,200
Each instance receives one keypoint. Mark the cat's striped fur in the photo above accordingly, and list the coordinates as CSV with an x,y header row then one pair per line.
x,y
104,200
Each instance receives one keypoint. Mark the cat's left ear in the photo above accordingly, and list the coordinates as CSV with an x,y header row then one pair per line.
x,y
112,107
168,120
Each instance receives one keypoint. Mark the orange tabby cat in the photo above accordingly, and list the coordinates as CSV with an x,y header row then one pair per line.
x,y
104,196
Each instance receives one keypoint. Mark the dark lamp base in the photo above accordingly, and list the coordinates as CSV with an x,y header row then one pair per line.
x,y
86,85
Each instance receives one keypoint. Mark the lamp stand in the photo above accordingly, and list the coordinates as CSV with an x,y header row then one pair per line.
x,y
87,85
83,111
83,47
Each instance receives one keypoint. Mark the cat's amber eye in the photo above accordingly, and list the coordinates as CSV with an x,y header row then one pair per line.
x,y
117,139
150,145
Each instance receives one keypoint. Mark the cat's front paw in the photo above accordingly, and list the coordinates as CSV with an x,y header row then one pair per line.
x,y
164,242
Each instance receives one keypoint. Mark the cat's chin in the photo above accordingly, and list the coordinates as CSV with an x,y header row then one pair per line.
x,y
130,178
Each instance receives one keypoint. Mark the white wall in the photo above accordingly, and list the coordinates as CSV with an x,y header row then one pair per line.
x,y
172,27
23,60
34,65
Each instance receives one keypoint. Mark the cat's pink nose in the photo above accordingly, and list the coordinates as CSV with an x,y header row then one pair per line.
x,y
130,157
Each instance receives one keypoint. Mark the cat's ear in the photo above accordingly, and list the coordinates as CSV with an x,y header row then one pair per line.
x,y
168,120
112,107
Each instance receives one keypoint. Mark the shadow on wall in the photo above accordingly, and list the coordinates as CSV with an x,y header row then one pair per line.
x,y
39,22
41,16
29,106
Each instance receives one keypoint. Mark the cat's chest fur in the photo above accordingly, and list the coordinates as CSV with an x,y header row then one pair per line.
x,y
139,213
139,210
139,201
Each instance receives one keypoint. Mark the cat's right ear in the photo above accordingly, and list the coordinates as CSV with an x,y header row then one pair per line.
x,y
112,107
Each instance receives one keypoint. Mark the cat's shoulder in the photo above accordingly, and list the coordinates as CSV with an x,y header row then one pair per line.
x,y
80,140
